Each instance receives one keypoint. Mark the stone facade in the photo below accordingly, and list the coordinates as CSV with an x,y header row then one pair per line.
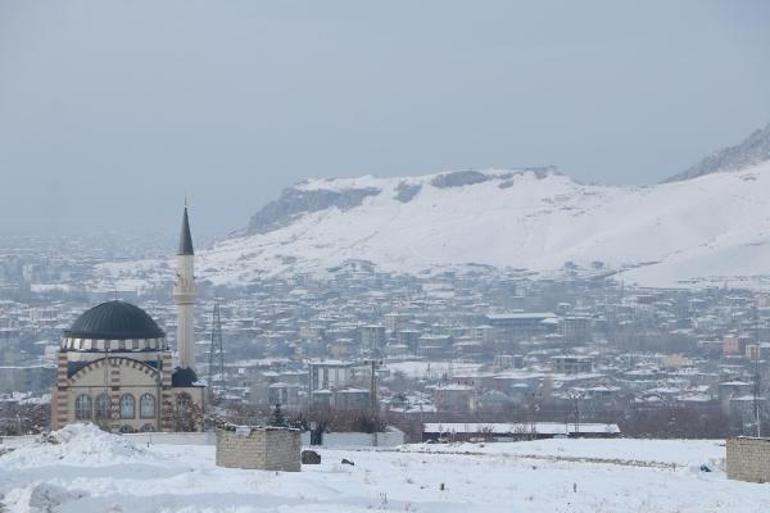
x,y
145,378
260,448
748,459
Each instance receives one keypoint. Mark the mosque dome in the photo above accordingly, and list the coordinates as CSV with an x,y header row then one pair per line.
x,y
116,325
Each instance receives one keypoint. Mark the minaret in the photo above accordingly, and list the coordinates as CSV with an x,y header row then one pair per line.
x,y
184,294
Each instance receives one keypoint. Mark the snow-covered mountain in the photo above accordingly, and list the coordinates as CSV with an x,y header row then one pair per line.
x,y
708,229
715,226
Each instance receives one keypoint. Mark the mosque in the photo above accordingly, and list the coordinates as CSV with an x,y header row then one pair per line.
x,y
115,367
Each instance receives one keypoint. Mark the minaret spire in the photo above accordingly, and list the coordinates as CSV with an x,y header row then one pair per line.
x,y
185,238
185,293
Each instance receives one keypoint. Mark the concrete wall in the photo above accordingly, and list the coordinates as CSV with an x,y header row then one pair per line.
x,y
390,438
748,459
260,448
197,438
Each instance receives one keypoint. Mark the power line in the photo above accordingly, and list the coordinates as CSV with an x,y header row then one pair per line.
x,y
216,351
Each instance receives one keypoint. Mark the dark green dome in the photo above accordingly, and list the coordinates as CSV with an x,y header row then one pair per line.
x,y
115,320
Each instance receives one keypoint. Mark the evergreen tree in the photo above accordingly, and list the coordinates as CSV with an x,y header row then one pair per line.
x,y
277,419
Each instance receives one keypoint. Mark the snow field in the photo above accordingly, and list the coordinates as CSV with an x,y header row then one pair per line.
x,y
541,476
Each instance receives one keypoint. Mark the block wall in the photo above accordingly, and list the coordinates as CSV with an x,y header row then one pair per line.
x,y
748,459
264,449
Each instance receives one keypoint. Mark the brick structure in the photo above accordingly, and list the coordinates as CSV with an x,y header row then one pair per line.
x,y
748,459
264,448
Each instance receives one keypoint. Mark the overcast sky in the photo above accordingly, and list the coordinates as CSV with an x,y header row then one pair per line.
x,y
110,111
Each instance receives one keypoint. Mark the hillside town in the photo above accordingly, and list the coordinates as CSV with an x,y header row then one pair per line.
x,y
419,257
438,356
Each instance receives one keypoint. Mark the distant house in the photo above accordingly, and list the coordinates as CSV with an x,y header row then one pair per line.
x,y
576,329
332,383
734,345
572,364
457,398
327,374
285,394
372,339
522,325
350,398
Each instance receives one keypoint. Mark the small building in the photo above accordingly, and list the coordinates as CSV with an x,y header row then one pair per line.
x,y
748,459
572,364
522,325
372,339
576,329
263,448
455,397
324,375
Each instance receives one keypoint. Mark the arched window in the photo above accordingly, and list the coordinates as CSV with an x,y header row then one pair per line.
x,y
148,428
147,406
103,406
126,429
127,406
83,407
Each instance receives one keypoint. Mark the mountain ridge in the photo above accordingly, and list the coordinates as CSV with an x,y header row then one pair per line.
x,y
753,150
708,228
712,227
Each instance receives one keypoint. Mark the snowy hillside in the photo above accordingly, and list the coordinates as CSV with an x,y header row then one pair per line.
x,y
703,231
89,471
712,228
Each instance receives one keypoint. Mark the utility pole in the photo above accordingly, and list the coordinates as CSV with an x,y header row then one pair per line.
x,y
373,364
757,420
758,350
576,397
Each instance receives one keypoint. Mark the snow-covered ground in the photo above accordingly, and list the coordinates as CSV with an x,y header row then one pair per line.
x,y
93,472
704,231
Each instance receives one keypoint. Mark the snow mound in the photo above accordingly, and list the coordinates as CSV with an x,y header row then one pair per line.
x,y
40,497
78,444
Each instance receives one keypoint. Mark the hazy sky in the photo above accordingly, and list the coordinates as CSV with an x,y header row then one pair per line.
x,y
111,110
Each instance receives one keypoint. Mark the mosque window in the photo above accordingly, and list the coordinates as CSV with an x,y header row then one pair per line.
x,y
103,406
83,407
147,406
127,406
